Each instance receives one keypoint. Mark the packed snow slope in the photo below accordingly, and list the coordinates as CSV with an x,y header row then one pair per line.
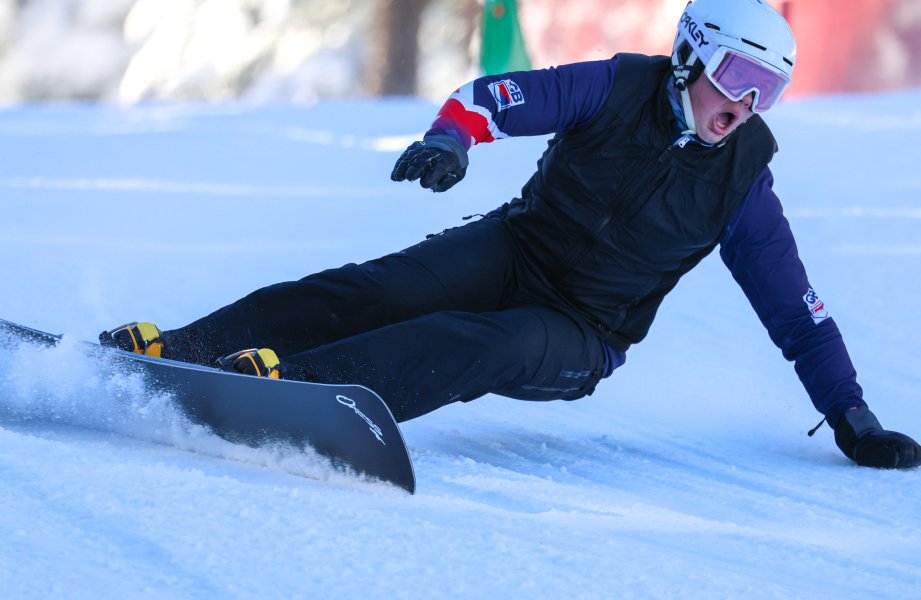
x,y
688,474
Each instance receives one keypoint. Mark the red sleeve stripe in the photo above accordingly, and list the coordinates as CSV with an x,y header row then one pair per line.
x,y
474,122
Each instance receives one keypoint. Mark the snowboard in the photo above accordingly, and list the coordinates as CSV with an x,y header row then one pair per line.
x,y
348,424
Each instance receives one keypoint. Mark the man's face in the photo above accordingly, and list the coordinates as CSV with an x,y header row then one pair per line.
x,y
715,115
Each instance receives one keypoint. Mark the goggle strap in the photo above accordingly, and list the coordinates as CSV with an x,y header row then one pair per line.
x,y
682,72
688,113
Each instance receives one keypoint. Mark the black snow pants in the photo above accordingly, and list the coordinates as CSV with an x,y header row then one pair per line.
x,y
455,317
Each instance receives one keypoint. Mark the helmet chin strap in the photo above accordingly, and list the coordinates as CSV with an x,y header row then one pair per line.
x,y
681,73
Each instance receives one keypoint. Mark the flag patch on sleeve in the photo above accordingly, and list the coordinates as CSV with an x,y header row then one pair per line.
x,y
506,93
816,307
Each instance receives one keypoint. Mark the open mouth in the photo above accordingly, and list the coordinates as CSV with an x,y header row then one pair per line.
x,y
723,121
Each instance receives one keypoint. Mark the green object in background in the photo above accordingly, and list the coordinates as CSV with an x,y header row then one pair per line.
x,y
503,46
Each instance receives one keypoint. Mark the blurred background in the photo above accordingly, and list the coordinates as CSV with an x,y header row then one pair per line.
x,y
126,51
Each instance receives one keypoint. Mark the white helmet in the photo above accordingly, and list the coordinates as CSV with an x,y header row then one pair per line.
x,y
742,46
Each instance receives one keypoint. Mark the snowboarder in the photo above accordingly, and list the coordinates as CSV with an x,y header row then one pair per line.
x,y
655,162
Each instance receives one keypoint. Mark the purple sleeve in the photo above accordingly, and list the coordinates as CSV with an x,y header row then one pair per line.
x,y
760,251
526,102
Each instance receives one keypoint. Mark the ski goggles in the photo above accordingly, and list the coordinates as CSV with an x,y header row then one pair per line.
x,y
736,75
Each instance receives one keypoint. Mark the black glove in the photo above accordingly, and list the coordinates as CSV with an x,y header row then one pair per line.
x,y
438,161
863,440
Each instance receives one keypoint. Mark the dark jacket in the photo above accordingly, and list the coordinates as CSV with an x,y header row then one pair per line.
x,y
612,219
617,211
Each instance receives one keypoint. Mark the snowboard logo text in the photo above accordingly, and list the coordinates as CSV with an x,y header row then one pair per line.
x,y
346,401
816,307
506,93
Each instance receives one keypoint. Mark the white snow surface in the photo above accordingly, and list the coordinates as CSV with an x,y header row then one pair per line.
x,y
688,474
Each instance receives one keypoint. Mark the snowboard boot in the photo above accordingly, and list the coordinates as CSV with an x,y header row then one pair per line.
x,y
140,338
261,362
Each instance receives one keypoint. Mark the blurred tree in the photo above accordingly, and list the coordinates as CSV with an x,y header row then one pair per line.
x,y
393,54
503,46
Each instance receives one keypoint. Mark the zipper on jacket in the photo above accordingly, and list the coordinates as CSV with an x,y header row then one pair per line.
x,y
636,182
629,192
680,142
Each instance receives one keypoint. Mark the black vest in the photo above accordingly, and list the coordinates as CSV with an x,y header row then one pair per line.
x,y
616,214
